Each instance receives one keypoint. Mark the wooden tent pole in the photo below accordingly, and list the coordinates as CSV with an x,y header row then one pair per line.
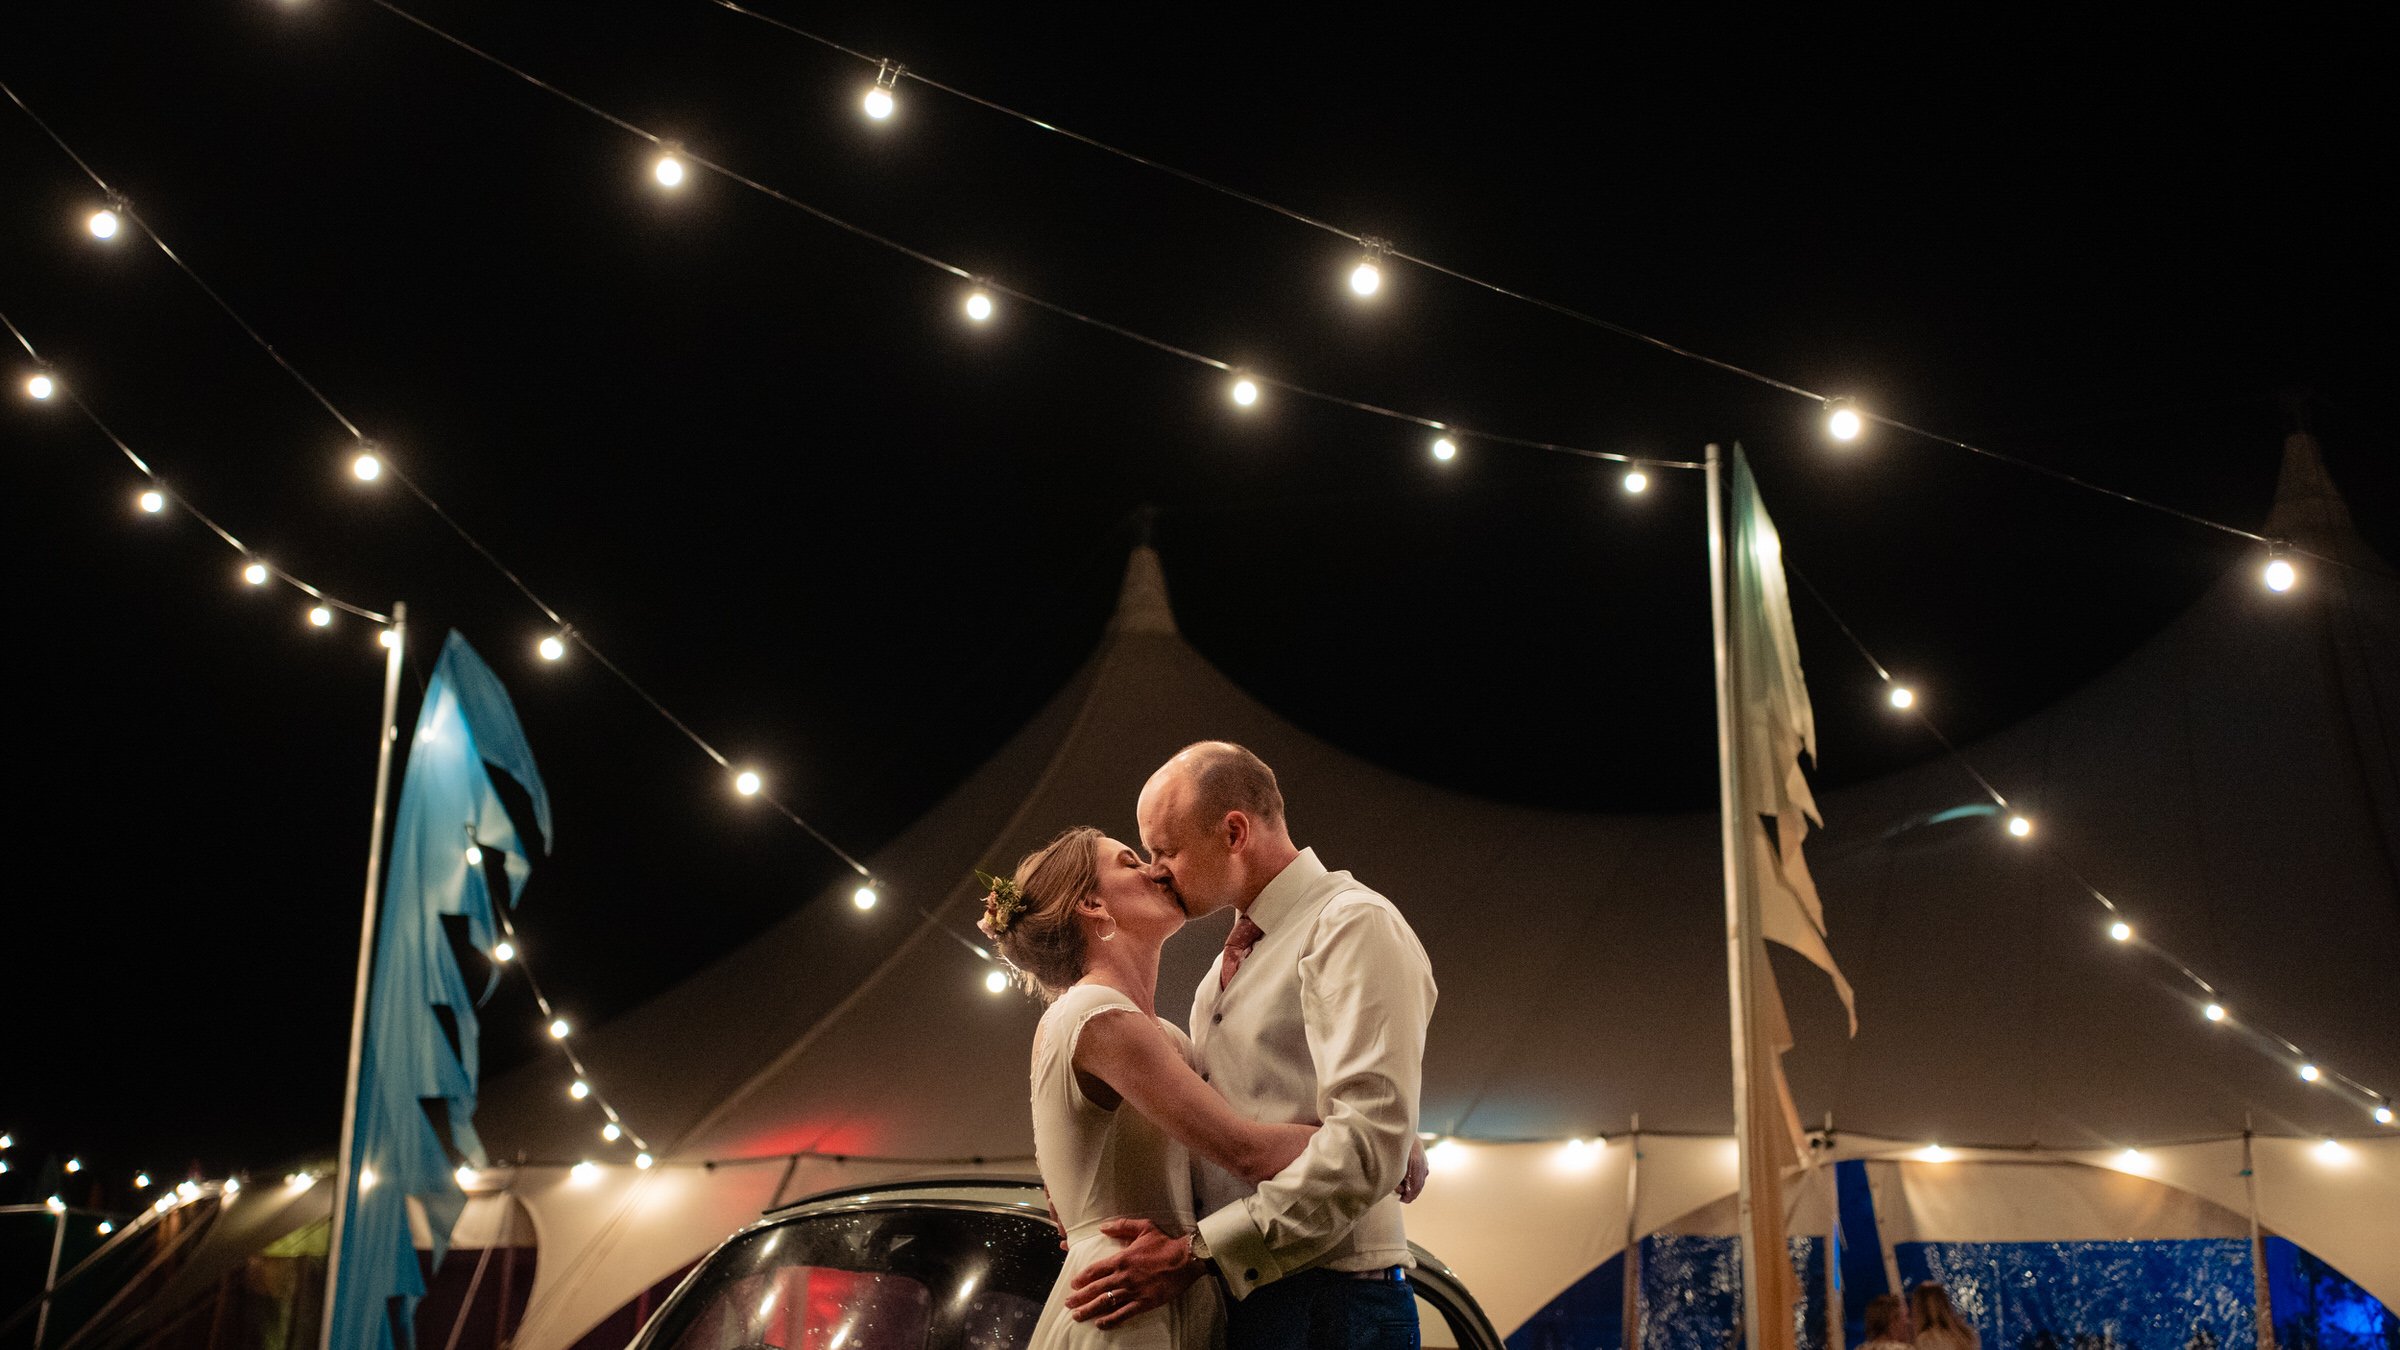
x,y
2264,1312
1632,1310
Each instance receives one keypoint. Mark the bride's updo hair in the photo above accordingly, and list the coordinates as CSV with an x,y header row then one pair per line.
x,y
1041,938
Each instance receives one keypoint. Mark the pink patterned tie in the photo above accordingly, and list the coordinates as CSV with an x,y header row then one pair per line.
x,y
1238,943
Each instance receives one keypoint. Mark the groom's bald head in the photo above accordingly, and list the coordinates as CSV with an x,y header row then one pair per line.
x,y
1212,820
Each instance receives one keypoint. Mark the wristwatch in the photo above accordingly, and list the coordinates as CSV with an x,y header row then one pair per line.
x,y
1200,1250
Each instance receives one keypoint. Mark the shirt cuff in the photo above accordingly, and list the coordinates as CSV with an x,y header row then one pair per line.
x,y
1240,1249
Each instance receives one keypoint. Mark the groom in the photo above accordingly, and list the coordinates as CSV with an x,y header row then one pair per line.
x,y
1316,1011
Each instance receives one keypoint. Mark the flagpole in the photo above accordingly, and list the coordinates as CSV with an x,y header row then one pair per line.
x,y
397,644
1632,1311
1741,896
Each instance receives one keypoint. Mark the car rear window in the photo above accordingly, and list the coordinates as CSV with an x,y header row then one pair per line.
x,y
914,1278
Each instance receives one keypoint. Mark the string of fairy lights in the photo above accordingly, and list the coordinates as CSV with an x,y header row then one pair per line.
x,y
1845,421
2277,576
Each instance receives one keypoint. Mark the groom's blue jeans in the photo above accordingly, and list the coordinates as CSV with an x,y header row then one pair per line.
x,y
1324,1310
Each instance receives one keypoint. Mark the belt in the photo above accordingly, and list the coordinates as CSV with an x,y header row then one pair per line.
x,y
1380,1274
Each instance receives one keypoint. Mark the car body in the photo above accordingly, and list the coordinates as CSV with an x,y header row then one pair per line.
x,y
929,1265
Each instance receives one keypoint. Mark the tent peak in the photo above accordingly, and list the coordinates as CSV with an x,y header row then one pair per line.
x,y
2309,510
1142,600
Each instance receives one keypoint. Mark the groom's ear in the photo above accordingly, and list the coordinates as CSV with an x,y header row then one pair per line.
x,y
1236,829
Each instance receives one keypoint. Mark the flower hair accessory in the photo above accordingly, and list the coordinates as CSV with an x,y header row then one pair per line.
x,y
1001,906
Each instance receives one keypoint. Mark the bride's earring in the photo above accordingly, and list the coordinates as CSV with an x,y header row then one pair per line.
x,y
1111,934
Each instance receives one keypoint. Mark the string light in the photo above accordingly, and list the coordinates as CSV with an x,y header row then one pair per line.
x,y
552,648
558,1028
106,1228
580,1090
389,637
1842,421
1903,697
1637,482
995,981
2134,1160
1445,449
668,168
152,501
464,1176
504,951
39,386
141,1181
612,1132
2020,826
190,1190
474,855
2309,1073
879,101
321,617
74,1165
746,783
233,1186
864,897
585,1173
102,223
2280,576
1245,391
1367,277
644,1161
367,467
979,305
55,1205
2214,1012
300,1181
1934,1153
2121,931
2331,1151
2383,1115
4,1167
8,1141
1444,1155
255,574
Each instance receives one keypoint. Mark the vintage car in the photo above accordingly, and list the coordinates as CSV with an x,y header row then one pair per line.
x,y
935,1265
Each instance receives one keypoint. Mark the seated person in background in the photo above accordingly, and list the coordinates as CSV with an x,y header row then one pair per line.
x,y
1887,1324
1939,1327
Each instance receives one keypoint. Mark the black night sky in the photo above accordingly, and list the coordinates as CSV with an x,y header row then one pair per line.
x,y
856,540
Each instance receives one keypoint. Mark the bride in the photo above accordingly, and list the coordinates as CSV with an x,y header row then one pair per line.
x,y
1118,1109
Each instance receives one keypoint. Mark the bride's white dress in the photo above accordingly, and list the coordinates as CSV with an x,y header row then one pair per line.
x,y
1103,1164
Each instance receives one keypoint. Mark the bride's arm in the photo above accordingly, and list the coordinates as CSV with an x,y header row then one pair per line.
x,y
1132,1057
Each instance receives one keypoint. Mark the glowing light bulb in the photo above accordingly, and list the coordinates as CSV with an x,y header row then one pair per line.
x,y
668,170
979,306
612,1132
1245,391
4,1168
40,386
233,1186
102,223
746,783
2332,1151
580,1091
106,1228
187,1190
1903,697
504,951
1637,482
299,1181
2121,931
878,103
2133,1159
1366,278
864,897
153,501
1842,421
1934,1153
2020,826
559,1028
552,648
474,856
1445,1155
141,1181
644,1161
255,574
585,1173
2309,1073
464,1176
389,637
74,1165
1445,449
8,1141
2383,1115
55,1205
995,982
2214,1012
2280,576
320,617
366,468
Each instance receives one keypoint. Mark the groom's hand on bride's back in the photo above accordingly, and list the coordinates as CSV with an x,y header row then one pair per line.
x,y
1412,1181
1151,1271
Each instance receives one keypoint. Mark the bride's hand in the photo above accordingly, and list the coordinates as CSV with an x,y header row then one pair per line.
x,y
1412,1182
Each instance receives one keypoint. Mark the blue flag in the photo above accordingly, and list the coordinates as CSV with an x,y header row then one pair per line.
x,y
417,1070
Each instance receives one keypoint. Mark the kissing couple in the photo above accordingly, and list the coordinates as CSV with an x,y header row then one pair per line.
x,y
1241,1186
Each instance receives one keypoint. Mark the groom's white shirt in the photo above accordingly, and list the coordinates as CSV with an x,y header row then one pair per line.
x,y
1324,1022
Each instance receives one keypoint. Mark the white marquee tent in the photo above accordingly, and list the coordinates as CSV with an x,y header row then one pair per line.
x,y
2234,784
